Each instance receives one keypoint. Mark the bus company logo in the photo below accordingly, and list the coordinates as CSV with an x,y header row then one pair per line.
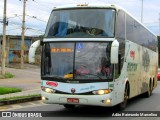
x,y
73,90
132,54
53,84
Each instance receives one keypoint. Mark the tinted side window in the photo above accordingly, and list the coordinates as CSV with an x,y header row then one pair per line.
x,y
120,25
130,28
120,36
137,33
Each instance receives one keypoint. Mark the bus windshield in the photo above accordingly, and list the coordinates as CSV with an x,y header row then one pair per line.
x,y
77,60
78,23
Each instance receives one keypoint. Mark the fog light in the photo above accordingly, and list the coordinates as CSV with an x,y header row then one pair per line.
x,y
43,98
107,101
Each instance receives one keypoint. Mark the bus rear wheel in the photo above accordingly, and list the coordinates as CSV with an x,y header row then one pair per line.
x,y
123,105
69,106
149,92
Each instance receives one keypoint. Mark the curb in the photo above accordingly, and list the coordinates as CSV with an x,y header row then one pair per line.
x,y
20,100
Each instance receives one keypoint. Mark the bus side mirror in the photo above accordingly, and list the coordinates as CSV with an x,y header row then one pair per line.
x,y
114,52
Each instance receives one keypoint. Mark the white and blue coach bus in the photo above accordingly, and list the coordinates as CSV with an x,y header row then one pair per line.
x,y
96,55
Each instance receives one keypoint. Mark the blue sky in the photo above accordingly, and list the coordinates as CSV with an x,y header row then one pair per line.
x,y
41,10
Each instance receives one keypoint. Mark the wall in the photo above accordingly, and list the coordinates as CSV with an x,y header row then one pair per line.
x,y
13,48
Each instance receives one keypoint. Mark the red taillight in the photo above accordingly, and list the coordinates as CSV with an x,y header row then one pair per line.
x,y
53,84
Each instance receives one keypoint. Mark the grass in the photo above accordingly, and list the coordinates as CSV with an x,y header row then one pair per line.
x,y
6,75
7,90
20,97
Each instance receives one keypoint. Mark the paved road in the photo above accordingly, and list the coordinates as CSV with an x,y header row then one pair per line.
x,y
81,112
26,79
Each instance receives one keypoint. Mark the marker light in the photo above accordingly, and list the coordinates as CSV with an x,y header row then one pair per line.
x,y
82,4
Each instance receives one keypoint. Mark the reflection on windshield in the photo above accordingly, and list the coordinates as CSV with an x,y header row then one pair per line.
x,y
47,58
81,23
77,60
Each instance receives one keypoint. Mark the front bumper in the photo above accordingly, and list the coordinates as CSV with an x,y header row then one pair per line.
x,y
93,100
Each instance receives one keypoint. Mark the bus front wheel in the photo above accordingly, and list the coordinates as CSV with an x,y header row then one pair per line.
x,y
123,105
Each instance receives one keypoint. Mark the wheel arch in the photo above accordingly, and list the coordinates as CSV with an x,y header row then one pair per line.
x,y
127,84
128,90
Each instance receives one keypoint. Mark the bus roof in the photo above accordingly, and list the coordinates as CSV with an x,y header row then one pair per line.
x,y
93,5
88,6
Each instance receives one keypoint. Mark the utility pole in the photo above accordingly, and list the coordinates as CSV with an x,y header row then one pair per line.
x,y
159,24
4,39
23,29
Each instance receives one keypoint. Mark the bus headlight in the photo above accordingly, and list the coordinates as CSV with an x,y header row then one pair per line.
x,y
102,92
48,90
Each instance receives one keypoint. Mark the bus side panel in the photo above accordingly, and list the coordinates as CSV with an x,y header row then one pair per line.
x,y
132,58
141,67
119,86
149,68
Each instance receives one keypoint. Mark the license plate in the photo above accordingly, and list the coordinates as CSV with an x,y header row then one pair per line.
x,y
72,100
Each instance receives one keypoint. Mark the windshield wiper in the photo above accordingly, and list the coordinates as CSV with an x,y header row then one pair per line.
x,y
57,77
90,74
80,74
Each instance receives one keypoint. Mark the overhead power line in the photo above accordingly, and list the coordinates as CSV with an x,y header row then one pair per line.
x,y
34,17
42,6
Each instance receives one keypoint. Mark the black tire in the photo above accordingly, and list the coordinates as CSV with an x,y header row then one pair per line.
x,y
123,105
69,106
149,92
153,85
